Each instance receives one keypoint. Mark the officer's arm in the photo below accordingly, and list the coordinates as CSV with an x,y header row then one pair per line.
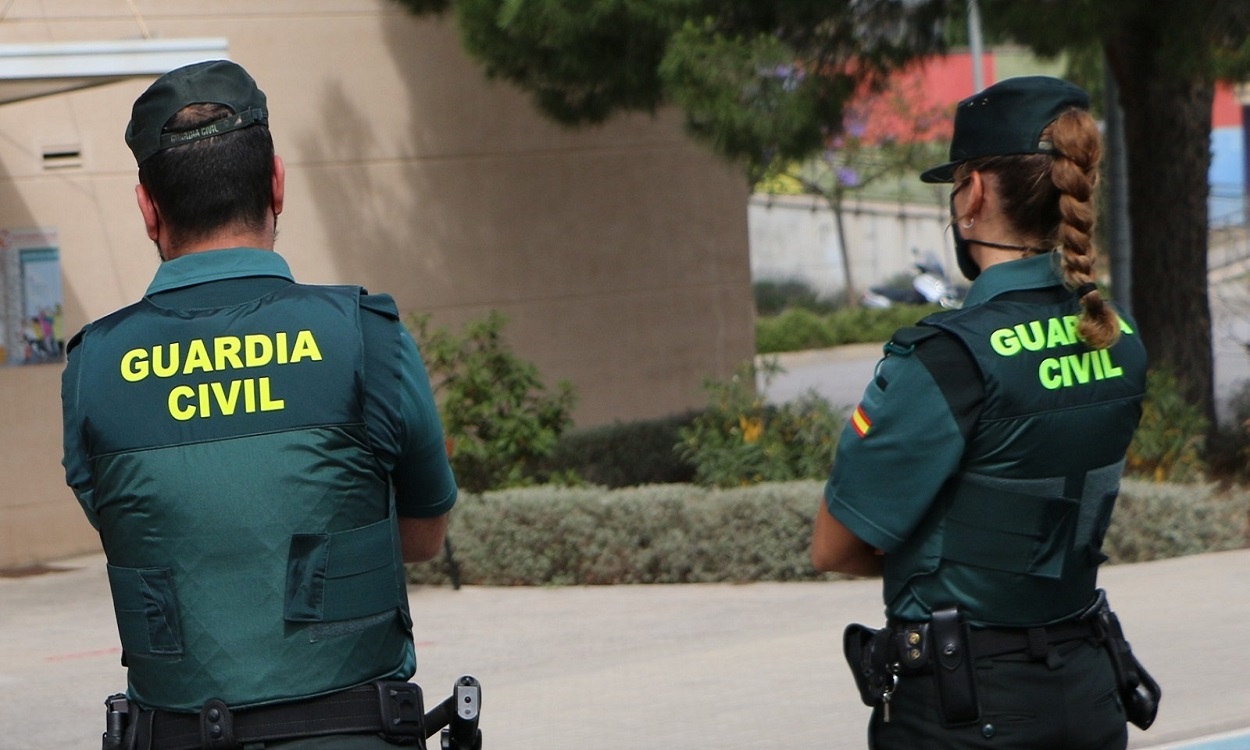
x,y
422,538
77,466
836,549
895,453
405,431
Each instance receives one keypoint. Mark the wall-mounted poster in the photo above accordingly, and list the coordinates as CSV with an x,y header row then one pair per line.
x,y
31,301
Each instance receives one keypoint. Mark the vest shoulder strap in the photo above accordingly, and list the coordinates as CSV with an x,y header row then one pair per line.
x,y
951,366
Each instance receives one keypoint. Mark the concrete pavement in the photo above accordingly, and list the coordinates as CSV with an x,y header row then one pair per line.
x,y
697,666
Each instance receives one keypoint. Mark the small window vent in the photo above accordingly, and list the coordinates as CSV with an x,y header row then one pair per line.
x,y
62,157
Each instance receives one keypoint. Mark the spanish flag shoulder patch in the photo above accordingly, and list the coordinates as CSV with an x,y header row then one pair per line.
x,y
860,421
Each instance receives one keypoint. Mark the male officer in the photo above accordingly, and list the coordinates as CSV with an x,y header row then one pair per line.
x,y
259,456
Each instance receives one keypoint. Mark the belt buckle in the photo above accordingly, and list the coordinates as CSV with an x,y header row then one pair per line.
x,y
403,712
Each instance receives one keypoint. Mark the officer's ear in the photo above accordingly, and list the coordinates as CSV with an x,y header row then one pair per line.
x,y
976,193
279,184
151,215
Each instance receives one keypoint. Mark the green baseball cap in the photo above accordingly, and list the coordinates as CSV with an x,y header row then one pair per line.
x,y
1007,118
211,82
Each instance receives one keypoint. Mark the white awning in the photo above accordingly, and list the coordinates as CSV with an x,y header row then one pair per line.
x,y
33,70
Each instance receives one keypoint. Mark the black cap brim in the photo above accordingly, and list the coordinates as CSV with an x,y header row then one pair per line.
x,y
940,173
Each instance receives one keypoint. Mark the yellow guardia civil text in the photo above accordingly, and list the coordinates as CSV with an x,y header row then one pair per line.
x,y
221,354
1063,371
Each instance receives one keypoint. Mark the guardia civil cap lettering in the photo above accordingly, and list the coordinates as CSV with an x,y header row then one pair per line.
x,y
211,82
1007,118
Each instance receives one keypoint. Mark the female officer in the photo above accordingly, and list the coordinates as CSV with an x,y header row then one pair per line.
x,y
978,474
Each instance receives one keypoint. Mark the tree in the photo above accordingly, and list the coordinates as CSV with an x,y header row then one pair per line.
x,y
883,135
756,81
763,83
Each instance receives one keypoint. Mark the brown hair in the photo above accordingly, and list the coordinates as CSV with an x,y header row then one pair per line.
x,y
1052,197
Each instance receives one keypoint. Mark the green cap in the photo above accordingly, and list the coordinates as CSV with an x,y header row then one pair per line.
x,y
212,82
1007,118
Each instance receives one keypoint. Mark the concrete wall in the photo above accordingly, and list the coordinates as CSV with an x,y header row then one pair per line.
x,y
796,238
619,253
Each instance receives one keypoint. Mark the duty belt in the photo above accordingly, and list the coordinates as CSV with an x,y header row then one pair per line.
x,y
911,642
947,648
390,708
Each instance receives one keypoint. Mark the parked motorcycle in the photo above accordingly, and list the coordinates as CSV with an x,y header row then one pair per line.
x,y
929,285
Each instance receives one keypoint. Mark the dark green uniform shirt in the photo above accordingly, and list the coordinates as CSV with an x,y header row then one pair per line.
x,y
401,415
994,417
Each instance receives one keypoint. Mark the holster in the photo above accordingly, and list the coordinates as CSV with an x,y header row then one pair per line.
x,y
866,652
877,657
954,668
118,729
1139,693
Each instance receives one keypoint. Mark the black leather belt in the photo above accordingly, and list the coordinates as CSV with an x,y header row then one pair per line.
x,y
391,708
1034,641
911,644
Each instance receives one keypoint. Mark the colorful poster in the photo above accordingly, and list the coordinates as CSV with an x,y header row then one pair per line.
x,y
31,300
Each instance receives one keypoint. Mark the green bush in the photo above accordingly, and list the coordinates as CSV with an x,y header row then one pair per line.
x,y
738,439
1171,438
684,534
794,330
1154,521
625,454
773,296
499,419
657,534
798,329
861,325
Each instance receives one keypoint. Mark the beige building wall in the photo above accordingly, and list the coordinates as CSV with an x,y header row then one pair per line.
x,y
619,253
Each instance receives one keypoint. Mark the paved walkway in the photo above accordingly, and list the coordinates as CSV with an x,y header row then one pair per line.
x,y
693,666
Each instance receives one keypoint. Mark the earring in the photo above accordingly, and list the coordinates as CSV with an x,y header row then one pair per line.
x,y
967,224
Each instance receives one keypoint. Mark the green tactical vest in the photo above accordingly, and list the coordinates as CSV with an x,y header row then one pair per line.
x,y
253,554
1015,538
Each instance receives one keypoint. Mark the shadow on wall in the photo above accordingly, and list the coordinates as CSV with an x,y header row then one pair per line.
x,y
388,224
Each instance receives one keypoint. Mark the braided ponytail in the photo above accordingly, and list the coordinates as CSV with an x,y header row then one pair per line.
x,y
1075,174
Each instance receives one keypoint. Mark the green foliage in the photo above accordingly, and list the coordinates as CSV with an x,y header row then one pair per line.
x,y
1171,438
656,534
745,96
581,61
539,536
773,297
625,454
1154,521
739,440
884,134
499,418
798,329
741,70
794,330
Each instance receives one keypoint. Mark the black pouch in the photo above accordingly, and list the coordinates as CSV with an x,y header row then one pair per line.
x,y
953,668
118,728
912,646
865,652
1139,693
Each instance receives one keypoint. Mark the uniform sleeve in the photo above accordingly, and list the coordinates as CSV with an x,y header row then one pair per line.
x,y
402,417
902,443
77,467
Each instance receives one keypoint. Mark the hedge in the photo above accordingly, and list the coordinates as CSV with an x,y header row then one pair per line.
x,y
685,534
